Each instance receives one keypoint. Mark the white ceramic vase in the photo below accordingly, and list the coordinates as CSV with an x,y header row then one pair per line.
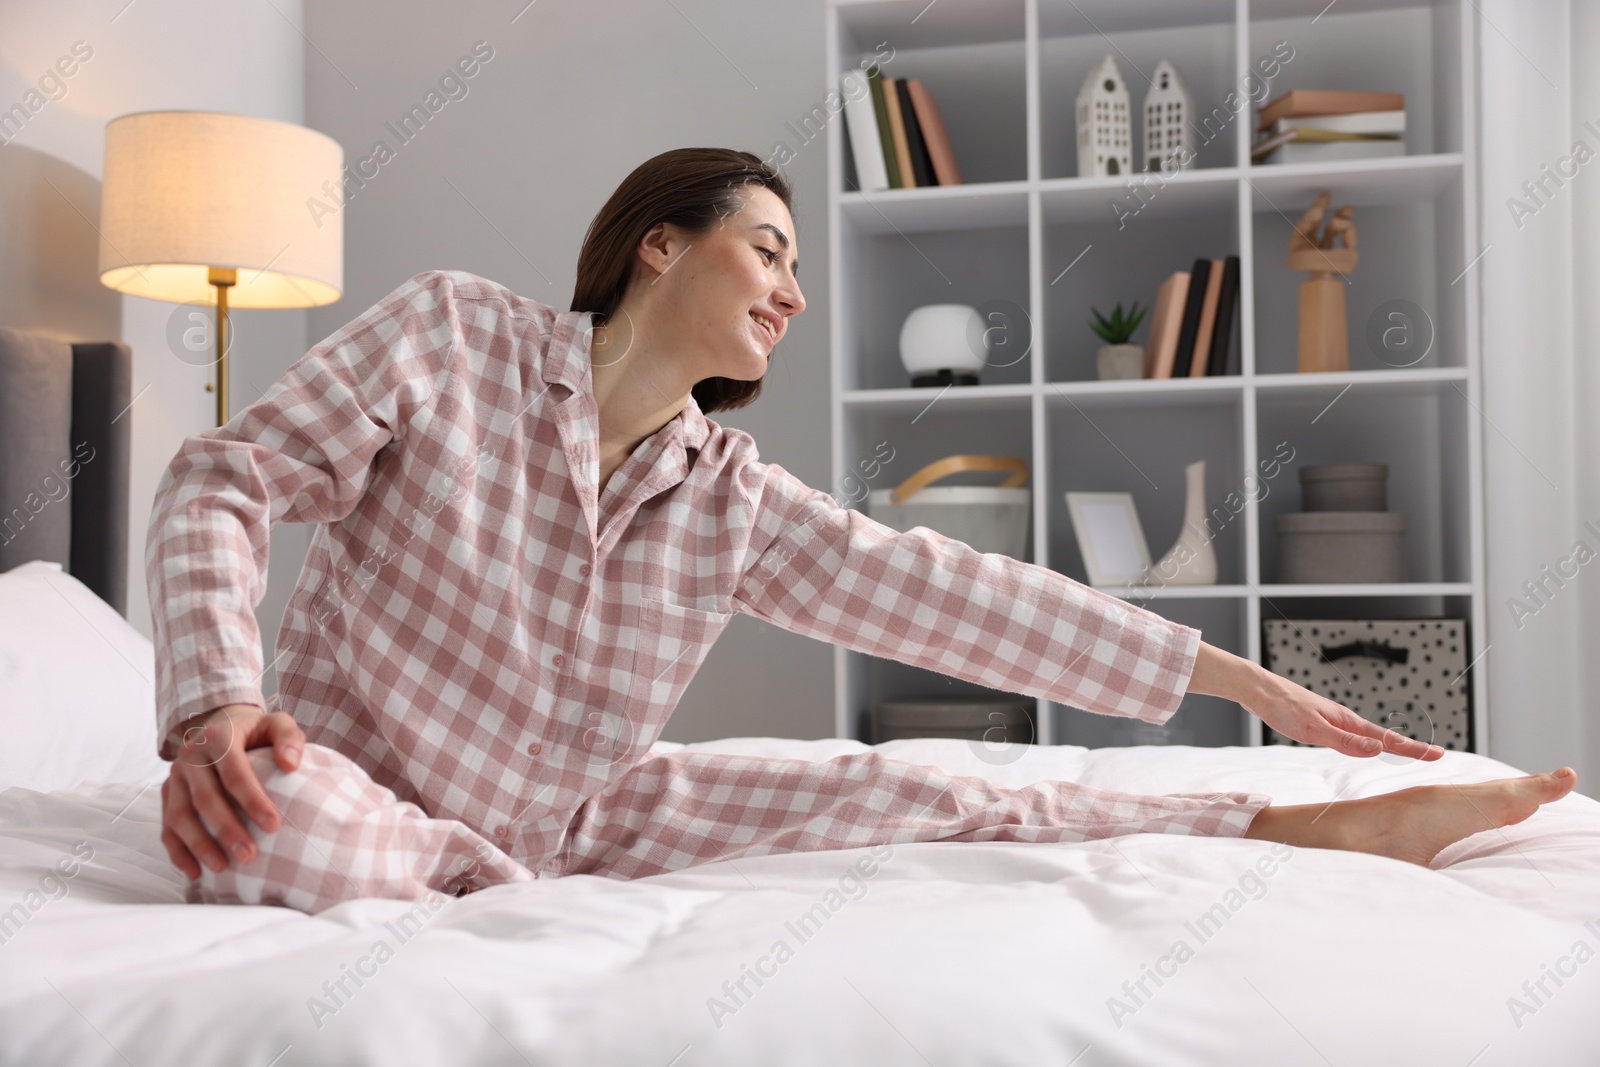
x,y
1192,560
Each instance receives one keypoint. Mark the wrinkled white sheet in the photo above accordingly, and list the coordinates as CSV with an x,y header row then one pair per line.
x,y
942,954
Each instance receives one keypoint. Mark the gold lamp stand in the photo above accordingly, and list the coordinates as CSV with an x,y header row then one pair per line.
x,y
222,278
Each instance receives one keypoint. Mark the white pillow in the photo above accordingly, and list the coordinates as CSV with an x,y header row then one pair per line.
x,y
77,686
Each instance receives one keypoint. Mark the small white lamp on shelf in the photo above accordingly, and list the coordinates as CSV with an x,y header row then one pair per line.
x,y
1105,134
1168,132
202,205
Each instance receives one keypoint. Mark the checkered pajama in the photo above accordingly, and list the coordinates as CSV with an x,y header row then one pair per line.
x,y
344,836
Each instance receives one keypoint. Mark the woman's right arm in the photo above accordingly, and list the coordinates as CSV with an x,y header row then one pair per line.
x,y
303,452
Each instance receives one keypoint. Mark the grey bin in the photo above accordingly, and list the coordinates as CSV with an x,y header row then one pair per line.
x,y
1344,487
990,719
1341,546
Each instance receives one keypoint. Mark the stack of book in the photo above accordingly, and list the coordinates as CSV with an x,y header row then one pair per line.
x,y
1315,125
1191,324
896,135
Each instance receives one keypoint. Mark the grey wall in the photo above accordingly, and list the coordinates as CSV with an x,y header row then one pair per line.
x,y
504,180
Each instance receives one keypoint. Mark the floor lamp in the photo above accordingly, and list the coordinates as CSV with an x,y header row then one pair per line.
x,y
229,210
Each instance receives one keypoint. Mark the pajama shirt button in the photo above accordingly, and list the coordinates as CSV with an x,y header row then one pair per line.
x,y
558,659
584,570
535,748
500,831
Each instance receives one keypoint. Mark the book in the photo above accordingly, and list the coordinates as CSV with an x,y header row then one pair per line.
x,y
919,158
862,125
881,114
1227,306
927,157
897,134
1300,102
1193,301
1208,320
1165,319
1322,152
934,137
1312,135
1368,122
1297,135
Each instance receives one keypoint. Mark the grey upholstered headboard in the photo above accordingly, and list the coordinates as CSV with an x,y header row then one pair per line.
x,y
64,454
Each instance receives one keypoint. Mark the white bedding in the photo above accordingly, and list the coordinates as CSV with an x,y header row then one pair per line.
x,y
945,954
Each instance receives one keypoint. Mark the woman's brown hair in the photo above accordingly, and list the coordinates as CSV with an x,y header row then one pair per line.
x,y
693,188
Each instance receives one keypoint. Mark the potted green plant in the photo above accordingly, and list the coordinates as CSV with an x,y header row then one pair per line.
x,y
1117,358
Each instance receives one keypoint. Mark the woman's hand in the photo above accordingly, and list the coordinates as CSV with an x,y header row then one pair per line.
x,y
1295,711
212,759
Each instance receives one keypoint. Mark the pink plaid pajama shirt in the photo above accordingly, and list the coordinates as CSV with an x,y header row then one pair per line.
x,y
483,644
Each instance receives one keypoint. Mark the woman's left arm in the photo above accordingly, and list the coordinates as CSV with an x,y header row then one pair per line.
x,y
817,568
1295,711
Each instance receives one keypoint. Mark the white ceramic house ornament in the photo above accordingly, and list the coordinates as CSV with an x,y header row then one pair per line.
x,y
1168,134
1105,128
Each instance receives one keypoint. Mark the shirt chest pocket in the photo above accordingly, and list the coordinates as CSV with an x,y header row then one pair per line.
x,y
672,642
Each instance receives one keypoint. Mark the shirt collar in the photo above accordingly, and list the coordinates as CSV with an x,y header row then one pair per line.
x,y
566,362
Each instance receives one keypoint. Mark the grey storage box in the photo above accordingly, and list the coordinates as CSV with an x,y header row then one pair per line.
x,y
990,719
1345,487
1341,546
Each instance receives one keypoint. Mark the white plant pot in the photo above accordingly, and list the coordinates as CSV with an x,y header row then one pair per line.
x,y
1120,361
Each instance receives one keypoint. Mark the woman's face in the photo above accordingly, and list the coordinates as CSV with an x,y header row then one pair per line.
x,y
718,284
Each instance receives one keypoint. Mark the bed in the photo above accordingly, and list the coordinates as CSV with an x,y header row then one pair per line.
x,y
1143,949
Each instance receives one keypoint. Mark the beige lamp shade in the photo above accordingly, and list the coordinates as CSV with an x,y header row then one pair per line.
x,y
185,191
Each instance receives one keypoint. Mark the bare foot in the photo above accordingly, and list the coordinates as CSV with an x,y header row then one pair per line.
x,y
1413,824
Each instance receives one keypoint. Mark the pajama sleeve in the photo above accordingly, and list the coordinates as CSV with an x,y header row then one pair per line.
x,y
833,573
303,452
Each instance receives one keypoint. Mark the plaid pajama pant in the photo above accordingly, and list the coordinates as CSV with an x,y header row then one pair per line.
x,y
345,837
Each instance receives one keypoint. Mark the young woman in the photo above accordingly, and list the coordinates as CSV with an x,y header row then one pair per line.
x,y
529,535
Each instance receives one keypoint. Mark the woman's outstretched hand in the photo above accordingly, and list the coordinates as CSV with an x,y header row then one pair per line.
x,y
1295,711
211,769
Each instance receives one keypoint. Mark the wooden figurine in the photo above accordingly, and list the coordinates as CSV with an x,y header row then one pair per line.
x,y
1328,257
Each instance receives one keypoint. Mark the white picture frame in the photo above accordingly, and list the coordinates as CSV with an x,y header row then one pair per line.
x,y
1110,537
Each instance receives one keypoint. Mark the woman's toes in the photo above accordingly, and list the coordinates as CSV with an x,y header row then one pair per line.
x,y
1553,785
1523,796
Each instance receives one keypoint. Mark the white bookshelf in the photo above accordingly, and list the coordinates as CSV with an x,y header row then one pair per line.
x,y
1025,230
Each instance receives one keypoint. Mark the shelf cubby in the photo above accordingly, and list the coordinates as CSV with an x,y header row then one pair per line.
x,y
972,59
1143,450
894,273
1200,719
1198,36
891,680
1102,262
1404,304
1370,605
895,441
1413,431
1407,47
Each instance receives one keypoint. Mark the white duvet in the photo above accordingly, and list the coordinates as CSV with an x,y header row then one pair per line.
x,y
1144,949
